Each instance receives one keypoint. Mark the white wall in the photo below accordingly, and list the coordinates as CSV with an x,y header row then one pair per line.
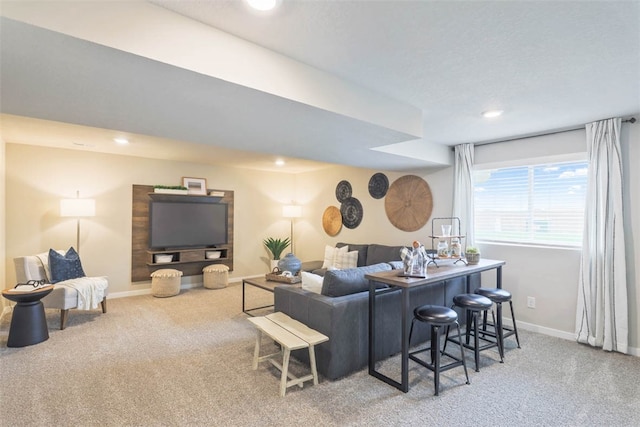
x,y
550,274
317,192
37,178
2,216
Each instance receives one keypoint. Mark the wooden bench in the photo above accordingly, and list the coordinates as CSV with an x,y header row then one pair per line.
x,y
291,335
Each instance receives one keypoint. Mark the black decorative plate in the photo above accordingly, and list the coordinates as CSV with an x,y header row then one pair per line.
x,y
351,211
343,191
378,185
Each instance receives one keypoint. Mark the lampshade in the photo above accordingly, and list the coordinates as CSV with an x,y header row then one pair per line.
x,y
77,207
292,211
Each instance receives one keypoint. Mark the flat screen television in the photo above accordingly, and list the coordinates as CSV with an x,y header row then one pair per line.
x,y
187,225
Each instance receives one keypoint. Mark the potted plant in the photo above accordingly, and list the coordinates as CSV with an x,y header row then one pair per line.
x,y
472,254
276,247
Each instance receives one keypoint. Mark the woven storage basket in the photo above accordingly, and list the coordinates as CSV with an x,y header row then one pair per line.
x,y
216,276
277,276
165,282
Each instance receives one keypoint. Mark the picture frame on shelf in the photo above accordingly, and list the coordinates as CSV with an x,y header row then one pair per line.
x,y
195,186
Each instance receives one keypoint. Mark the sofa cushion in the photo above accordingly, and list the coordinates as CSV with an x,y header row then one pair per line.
x,y
346,260
311,282
362,252
381,253
65,267
396,265
350,281
331,256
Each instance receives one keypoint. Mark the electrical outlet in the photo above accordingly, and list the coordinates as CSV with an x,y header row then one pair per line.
x,y
531,302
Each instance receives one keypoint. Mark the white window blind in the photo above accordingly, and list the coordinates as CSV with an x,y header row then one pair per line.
x,y
539,204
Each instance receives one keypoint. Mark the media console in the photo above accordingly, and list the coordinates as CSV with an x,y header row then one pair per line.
x,y
183,256
191,261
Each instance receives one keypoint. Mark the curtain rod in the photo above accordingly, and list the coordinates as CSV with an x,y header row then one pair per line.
x,y
629,120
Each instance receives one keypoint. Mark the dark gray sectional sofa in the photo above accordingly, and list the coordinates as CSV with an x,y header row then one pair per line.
x,y
342,310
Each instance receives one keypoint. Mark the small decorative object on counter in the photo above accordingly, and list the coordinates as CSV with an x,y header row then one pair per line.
x,y
473,255
415,260
443,249
456,249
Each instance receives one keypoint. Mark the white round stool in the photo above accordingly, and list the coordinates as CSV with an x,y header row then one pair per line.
x,y
216,276
165,282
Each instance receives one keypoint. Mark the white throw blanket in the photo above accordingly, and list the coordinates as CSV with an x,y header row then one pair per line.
x,y
90,290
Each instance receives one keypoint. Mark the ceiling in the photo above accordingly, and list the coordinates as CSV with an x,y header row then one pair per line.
x,y
379,84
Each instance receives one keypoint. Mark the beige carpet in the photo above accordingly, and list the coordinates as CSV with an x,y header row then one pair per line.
x,y
186,360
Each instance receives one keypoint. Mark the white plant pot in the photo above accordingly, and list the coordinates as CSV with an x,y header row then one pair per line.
x,y
273,264
170,191
473,259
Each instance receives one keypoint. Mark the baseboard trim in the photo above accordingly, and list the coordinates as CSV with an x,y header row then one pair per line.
x,y
147,291
633,351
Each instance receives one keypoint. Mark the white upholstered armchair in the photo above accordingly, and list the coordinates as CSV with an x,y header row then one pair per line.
x,y
66,294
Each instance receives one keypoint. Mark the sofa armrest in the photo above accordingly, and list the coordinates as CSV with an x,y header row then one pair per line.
x,y
311,265
29,268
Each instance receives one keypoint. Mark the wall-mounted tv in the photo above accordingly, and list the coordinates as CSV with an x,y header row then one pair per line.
x,y
187,224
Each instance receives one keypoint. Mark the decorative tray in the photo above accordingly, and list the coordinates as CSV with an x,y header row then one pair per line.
x,y
277,276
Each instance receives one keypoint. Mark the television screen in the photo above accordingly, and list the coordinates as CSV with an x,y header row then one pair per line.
x,y
186,224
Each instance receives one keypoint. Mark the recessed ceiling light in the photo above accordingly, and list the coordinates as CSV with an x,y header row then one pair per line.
x,y
121,141
279,162
492,113
263,5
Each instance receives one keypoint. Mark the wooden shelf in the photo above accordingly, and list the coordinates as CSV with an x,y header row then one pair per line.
x,y
184,256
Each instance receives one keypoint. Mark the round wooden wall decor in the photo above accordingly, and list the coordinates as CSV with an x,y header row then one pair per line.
x,y
409,203
332,220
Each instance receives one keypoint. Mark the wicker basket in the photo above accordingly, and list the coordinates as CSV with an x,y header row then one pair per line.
x,y
277,276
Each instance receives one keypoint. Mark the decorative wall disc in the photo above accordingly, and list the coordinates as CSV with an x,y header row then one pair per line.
x,y
378,185
409,203
343,191
351,211
332,220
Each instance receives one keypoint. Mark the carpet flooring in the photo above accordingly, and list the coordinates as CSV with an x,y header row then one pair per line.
x,y
186,361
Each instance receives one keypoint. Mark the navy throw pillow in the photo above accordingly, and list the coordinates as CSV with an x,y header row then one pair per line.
x,y
65,267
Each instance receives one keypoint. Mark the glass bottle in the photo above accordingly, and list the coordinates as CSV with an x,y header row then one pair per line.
x,y
443,249
456,249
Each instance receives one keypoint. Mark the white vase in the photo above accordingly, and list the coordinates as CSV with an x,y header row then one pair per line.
x,y
273,264
170,191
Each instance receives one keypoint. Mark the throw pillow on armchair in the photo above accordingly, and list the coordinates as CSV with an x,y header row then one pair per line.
x,y
65,267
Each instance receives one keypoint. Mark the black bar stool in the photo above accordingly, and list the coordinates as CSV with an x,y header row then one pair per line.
x,y
437,316
500,332
474,304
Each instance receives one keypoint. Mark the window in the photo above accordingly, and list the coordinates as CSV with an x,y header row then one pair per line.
x,y
540,204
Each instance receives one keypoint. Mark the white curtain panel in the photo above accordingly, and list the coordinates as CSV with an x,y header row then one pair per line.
x,y
601,316
463,190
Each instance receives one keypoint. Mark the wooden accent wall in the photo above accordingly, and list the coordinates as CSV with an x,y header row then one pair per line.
x,y
140,257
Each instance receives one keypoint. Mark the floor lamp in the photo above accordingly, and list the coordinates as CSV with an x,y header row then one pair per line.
x,y
292,212
77,208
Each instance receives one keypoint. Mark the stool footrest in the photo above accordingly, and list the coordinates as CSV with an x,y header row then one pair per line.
x,y
430,366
